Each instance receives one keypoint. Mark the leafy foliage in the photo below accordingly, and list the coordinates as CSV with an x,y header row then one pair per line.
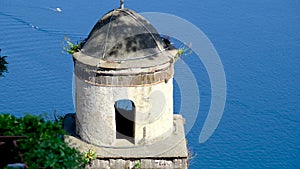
x,y
137,165
3,63
90,156
184,49
71,47
44,146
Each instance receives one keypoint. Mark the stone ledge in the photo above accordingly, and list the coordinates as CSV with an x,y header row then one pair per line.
x,y
171,147
123,78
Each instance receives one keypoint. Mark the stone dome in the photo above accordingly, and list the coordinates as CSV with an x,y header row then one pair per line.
x,y
124,39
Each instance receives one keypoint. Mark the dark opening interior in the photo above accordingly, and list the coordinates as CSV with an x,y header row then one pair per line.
x,y
125,115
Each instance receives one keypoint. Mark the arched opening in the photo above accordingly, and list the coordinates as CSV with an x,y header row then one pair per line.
x,y
125,117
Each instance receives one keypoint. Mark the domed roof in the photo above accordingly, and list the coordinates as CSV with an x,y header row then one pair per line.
x,y
123,36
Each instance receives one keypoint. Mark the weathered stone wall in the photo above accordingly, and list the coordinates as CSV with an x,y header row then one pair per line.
x,y
143,163
95,121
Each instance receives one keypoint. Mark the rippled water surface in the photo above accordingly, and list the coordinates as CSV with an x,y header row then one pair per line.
x,y
258,43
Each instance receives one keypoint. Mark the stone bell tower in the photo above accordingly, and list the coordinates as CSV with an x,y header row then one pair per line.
x,y
124,92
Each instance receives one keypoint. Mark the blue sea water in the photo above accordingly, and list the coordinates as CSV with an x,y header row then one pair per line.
x,y
257,41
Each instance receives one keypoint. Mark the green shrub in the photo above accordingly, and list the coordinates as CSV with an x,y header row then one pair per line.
x,y
3,63
72,48
44,145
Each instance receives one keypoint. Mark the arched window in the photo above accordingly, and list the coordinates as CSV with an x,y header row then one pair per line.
x,y
125,119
